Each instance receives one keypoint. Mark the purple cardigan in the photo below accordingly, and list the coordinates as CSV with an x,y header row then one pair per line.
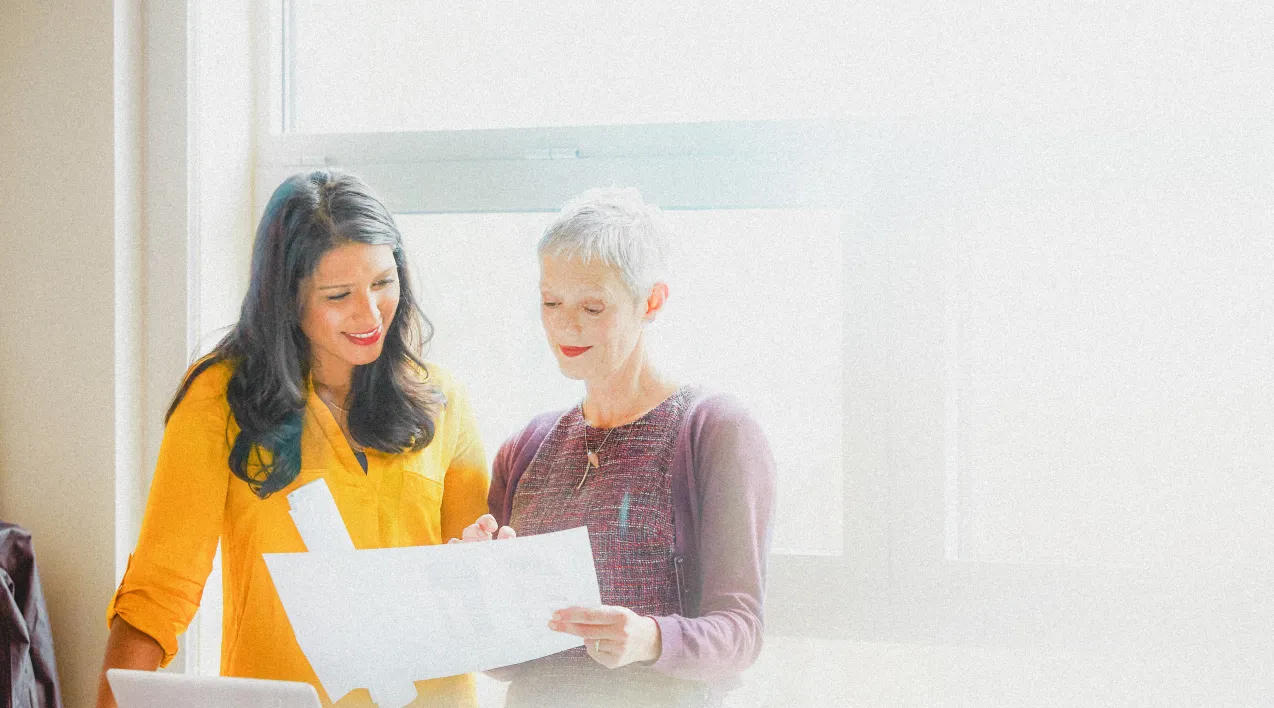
x,y
723,501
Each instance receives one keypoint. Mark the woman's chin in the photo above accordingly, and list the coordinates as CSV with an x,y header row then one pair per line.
x,y
363,357
571,369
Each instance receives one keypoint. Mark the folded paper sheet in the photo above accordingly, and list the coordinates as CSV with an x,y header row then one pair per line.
x,y
381,619
317,519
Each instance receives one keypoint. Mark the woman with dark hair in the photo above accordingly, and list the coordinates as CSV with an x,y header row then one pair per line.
x,y
675,483
321,378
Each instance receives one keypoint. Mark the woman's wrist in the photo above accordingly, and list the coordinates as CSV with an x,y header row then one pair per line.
x,y
655,643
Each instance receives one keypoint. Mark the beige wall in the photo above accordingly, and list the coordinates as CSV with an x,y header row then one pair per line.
x,y
57,385
100,320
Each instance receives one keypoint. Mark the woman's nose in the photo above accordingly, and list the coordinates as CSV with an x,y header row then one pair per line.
x,y
368,309
565,322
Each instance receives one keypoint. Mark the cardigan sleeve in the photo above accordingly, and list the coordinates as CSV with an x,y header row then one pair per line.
x,y
164,582
512,459
501,469
734,474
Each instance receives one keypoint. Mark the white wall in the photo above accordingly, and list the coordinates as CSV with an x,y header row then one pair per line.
x,y
57,364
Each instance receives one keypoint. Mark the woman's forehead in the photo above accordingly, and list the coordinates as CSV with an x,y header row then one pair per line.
x,y
573,273
352,259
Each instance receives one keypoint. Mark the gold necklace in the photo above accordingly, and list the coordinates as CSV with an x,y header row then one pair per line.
x,y
318,390
333,404
591,455
342,424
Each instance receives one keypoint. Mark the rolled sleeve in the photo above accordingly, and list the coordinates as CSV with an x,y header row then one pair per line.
x,y
164,581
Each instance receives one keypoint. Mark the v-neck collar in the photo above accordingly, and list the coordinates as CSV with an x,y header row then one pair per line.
x,y
340,447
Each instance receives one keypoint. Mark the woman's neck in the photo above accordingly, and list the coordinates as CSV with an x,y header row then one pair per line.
x,y
625,396
332,379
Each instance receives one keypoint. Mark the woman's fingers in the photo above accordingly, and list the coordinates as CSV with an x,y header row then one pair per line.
x,y
614,636
590,615
481,530
584,631
586,622
473,532
485,529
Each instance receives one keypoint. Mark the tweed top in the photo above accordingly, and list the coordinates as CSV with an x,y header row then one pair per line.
x,y
626,503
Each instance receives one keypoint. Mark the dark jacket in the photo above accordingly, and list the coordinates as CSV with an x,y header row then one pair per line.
x,y
28,675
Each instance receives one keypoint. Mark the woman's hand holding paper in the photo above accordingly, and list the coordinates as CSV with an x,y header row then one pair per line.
x,y
614,636
484,529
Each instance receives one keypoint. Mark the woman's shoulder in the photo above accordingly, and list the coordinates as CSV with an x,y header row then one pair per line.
x,y
201,397
726,441
543,422
437,374
441,378
453,412
206,380
536,429
722,421
712,407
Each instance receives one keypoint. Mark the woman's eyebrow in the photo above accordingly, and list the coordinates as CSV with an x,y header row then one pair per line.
x,y
388,271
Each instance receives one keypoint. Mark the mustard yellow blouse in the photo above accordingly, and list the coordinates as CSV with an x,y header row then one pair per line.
x,y
404,499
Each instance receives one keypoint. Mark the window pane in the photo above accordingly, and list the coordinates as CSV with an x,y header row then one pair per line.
x,y
755,310
397,65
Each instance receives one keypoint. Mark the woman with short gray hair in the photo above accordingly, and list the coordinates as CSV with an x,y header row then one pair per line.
x,y
675,484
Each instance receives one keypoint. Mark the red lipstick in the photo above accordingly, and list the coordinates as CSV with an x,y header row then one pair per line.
x,y
364,339
572,351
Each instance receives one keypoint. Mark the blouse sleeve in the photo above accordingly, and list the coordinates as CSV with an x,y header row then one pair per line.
x,y
735,475
464,494
164,582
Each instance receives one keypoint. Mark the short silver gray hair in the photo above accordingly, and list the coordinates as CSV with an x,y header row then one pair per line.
x,y
617,227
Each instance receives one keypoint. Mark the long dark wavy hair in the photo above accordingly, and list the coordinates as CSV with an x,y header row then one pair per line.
x,y
392,404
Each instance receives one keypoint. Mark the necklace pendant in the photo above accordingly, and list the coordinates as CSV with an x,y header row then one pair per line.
x,y
592,459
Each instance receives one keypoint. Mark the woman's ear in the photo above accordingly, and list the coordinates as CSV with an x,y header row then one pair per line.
x,y
655,301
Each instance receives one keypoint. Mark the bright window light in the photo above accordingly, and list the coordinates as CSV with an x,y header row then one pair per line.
x,y
395,65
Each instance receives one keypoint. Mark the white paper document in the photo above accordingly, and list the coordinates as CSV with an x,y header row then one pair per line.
x,y
315,514
380,619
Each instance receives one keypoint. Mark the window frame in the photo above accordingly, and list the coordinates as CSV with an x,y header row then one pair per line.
x,y
726,165
735,165
790,164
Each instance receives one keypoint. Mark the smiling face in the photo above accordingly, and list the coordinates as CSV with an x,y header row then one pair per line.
x,y
593,323
347,305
